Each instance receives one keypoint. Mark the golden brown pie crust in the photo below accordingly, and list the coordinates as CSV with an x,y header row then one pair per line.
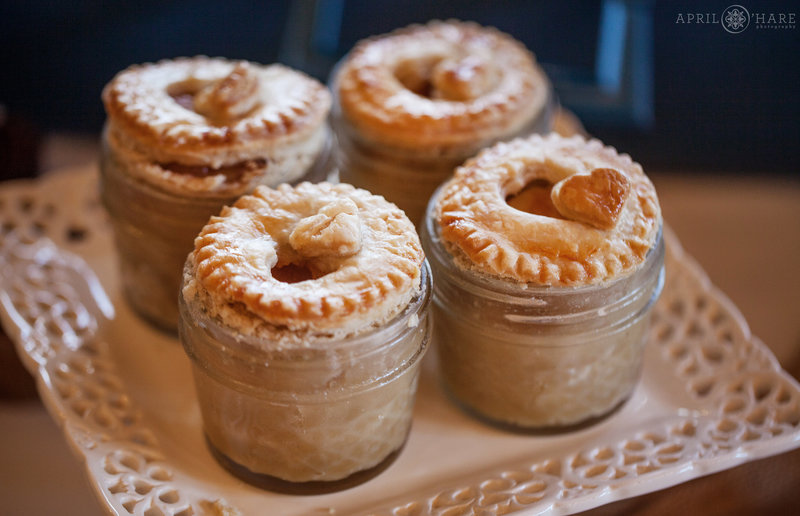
x,y
484,233
211,114
357,258
443,87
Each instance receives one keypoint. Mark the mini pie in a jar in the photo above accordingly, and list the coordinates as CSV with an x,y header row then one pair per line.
x,y
185,137
548,257
413,104
304,313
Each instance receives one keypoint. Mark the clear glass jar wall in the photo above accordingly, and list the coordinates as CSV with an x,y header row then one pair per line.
x,y
320,412
405,178
534,356
154,230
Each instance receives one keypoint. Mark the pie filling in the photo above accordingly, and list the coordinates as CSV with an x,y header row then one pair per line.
x,y
232,173
534,198
293,273
184,99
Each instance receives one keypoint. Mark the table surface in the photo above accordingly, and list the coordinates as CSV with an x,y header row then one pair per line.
x,y
743,230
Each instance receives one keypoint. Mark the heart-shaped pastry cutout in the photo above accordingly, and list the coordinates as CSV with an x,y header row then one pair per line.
x,y
596,198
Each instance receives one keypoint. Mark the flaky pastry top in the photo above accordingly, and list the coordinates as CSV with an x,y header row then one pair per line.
x,y
596,220
446,87
319,258
216,113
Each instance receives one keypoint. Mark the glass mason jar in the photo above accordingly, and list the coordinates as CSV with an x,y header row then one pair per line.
x,y
321,411
405,178
539,357
154,230
411,105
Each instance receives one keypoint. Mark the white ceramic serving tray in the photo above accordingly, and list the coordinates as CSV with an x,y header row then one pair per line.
x,y
711,397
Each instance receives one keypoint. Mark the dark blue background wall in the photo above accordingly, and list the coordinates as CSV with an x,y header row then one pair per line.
x,y
716,101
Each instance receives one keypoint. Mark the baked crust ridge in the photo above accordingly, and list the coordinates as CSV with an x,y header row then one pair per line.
x,y
484,233
359,258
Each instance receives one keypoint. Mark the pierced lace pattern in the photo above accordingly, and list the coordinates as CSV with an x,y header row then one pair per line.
x,y
52,304
736,399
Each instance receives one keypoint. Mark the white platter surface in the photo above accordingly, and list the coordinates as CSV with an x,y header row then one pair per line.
x,y
712,396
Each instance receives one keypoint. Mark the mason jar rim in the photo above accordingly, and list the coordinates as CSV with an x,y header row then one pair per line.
x,y
360,344
324,160
536,297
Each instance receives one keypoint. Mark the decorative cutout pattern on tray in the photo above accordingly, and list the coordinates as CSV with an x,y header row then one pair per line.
x,y
739,402
52,303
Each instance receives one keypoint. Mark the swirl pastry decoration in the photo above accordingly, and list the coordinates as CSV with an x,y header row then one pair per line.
x,y
323,258
550,210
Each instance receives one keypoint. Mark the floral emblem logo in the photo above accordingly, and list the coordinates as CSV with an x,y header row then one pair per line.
x,y
735,19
